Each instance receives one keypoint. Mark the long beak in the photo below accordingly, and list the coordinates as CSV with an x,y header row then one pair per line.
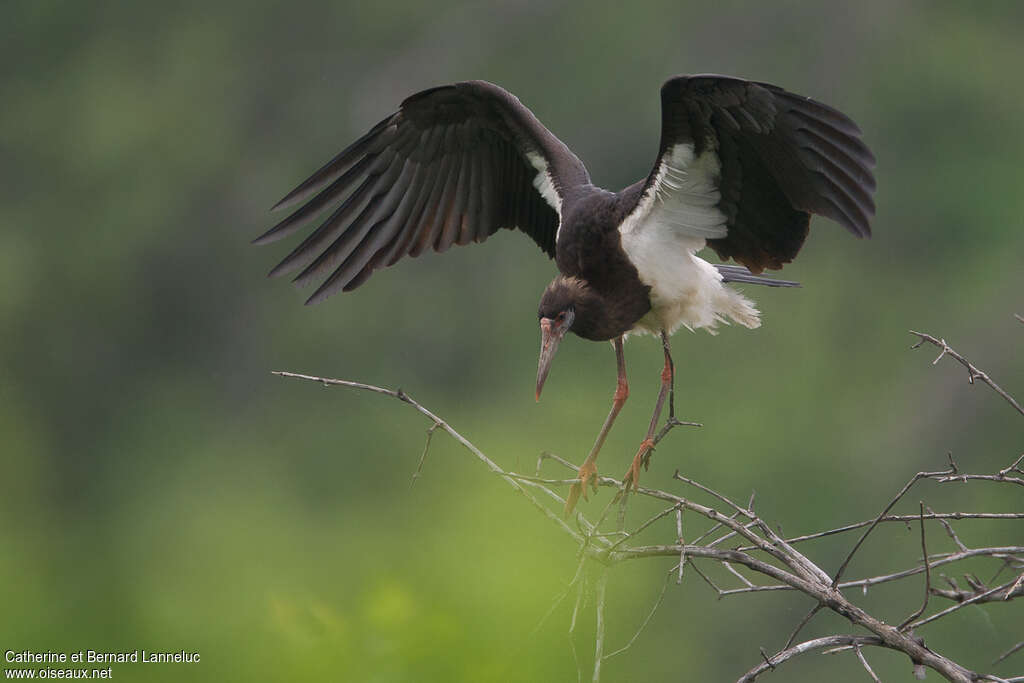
x,y
550,337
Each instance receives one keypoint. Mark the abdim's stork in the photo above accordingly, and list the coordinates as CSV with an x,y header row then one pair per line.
x,y
741,167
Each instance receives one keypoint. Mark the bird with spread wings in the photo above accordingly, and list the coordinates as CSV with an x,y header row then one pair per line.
x,y
741,168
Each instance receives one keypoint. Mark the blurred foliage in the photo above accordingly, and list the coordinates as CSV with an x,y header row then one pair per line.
x,y
161,490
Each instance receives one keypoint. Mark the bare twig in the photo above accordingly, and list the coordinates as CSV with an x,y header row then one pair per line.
x,y
980,597
905,519
1001,478
936,561
572,630
732,570
803,622
707,580
652,520
1016,648
679,537
864,662
576,579
602,585
973,372
927,578
949,529
1015,467
405,398
916,478
1016,588
1007,591
423,458
715,528
650,615
715,494
803,648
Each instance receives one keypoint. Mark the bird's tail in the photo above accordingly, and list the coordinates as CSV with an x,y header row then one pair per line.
x,y
740,274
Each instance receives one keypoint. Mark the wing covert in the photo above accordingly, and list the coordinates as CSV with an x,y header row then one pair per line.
x,y
743,165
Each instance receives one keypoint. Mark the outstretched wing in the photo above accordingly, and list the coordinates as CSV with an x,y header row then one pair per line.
x,y
743,165
453,165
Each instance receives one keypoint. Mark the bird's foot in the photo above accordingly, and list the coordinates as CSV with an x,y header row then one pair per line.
x,y
641,459
588,476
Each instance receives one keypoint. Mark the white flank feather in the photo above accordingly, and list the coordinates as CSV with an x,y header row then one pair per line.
x,y
661,236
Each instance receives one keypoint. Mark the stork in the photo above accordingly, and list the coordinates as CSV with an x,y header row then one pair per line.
x,y
741,167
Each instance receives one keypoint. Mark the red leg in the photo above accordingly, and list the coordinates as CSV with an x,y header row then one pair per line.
x,y
588,471
643,455
671,367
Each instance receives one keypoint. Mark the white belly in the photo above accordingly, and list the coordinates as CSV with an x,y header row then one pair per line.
x,y
685,290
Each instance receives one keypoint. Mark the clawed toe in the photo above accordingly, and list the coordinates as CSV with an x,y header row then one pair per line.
x,y
642,459
587,476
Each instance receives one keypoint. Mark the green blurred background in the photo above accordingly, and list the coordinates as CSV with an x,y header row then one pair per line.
x,y
161,490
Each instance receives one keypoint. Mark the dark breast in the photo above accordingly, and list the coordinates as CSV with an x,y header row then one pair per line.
x,y
589,247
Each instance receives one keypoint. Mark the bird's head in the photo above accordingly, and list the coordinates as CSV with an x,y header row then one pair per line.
x,y
563,307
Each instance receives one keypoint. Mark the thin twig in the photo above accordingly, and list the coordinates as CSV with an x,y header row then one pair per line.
x,y
864,662
679,537
1013,589
916,478
1015,467
973,372
577,577
725,537
572,629
980,477
650,615
905,519
980,597
405,398
1016,648
732,570
423,458
927,577
670,423
545,455
707,580
803,622
602,585
652,520
1016,588
949,529
936,561
749,514
713,529
803,648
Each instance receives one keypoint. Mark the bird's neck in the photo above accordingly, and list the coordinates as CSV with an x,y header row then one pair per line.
x,y
604,313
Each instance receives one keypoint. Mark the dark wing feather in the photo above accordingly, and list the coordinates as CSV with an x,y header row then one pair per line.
x,y
452,166
782,157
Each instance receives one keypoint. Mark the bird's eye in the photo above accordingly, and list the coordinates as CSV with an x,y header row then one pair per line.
x,y
560,317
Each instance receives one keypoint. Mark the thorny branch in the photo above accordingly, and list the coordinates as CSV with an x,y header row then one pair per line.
x,y
764,551
973,372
